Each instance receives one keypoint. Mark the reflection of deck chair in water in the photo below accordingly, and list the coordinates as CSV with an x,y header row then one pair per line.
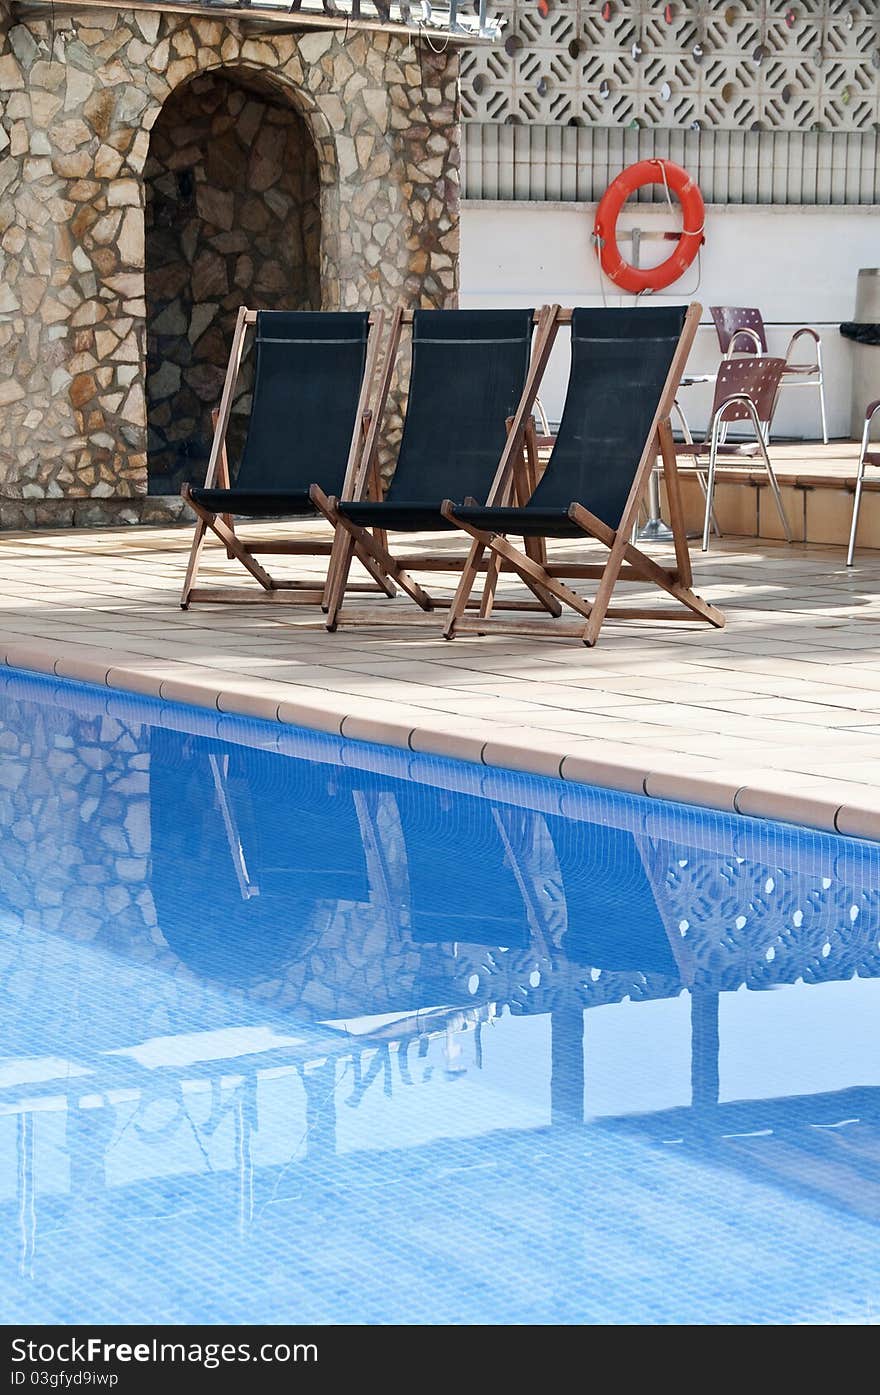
x,y
312,381
626,366
613,902
262,859
495,874
470,377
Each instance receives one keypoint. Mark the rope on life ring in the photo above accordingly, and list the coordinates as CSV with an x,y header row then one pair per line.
x,y
688,242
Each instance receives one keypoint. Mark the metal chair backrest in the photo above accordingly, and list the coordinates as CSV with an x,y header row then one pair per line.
x,y
755,378
730,319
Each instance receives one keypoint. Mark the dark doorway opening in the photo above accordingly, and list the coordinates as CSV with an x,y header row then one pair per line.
x,y
232,218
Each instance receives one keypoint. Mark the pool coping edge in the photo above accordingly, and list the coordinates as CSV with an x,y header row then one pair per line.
x,y
811,802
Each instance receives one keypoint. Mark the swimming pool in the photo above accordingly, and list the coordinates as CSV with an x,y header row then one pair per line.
x,y
303,1030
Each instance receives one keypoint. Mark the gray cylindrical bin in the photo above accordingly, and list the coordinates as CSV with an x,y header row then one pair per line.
x,y
865,357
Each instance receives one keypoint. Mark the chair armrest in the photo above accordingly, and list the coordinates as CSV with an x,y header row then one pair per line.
x,y
805,329
804,332
871,409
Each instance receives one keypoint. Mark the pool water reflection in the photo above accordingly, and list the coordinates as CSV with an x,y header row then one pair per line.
x,y
296,1029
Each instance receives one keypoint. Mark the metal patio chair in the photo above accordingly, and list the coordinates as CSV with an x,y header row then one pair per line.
x,y
741,330
746,389
866,457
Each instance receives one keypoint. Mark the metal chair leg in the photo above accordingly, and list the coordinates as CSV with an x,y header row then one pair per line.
x,y
710,486
687,435
821,386
857,501
703,483
771,475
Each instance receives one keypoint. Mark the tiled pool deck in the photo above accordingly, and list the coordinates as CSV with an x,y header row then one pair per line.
x,y
778,715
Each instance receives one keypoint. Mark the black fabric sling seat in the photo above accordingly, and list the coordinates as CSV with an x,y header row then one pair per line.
x,y
307,385
468,372
620,360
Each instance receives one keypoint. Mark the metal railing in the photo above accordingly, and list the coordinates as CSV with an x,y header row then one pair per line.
x,y
446,20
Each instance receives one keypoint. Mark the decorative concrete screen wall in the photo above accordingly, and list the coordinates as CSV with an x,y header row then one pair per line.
x,y
771,100
81,94
787,65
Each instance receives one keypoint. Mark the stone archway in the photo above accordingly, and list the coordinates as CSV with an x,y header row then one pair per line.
x,y
232,217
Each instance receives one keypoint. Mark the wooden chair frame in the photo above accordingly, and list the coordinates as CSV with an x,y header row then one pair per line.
x,y
291,592
626,562
521,477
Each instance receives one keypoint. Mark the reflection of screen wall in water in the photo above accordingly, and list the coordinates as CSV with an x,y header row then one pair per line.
x,y
244,964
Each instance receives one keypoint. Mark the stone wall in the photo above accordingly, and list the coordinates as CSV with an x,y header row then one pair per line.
x,y
232,216
74,142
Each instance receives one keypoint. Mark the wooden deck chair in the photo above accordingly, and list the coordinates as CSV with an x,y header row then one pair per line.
x,y
313,378
471,382
625,369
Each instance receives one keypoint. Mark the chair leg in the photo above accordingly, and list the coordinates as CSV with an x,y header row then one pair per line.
x,y
710,486
488,600
821,386
857,501
465,586
381,578
688,437
373,565
198,543
340,566
774,484
701,479
333,560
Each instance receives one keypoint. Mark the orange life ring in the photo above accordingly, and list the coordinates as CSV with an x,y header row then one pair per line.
x,y
688,242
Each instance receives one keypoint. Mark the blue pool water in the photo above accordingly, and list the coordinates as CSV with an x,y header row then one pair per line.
x,y
295,1029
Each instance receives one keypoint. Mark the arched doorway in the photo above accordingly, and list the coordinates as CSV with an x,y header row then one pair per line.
x,y
232,217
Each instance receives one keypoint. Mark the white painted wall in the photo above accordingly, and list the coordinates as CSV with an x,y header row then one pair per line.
x,y
798,265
